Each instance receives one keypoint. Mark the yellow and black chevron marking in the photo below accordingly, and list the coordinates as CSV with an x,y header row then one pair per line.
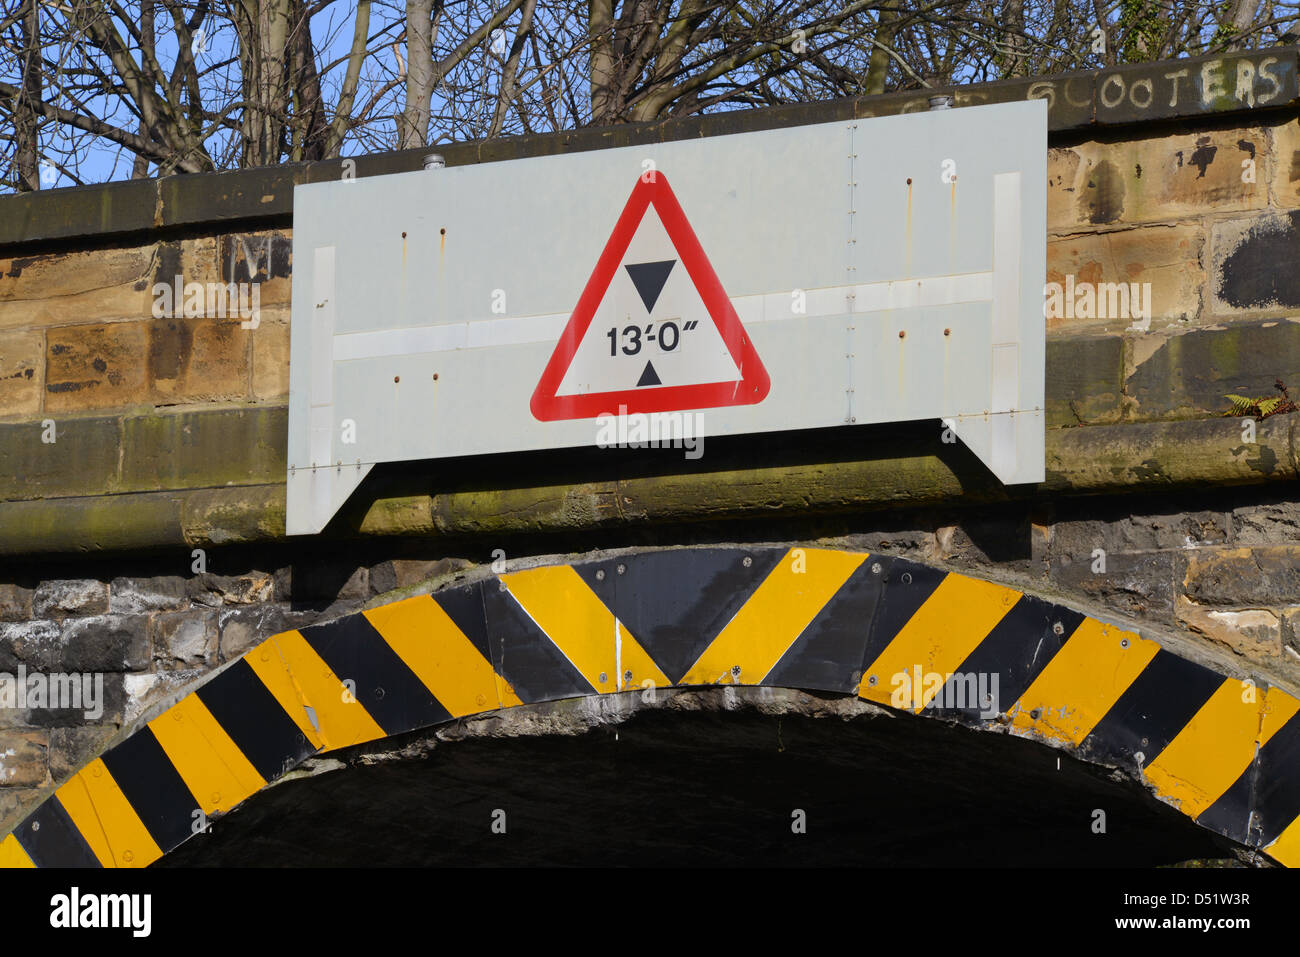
x,y
1223,752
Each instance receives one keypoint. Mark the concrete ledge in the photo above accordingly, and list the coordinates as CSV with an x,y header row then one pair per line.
x,y
149,452
1244,82
1150,455
1113,459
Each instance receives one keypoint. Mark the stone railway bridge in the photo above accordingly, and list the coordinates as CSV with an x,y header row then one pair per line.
x,y
575,620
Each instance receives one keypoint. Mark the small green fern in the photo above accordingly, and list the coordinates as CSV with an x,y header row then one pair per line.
x,y
1262,407
1240,405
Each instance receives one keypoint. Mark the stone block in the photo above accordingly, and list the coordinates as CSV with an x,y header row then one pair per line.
x,y
71,749
32,643
1189,375
252,513
60,458
108,210
993,537
1285,162
134,596
1291,630
207,449
185,639
15,804
264,258
1133,533
193,260
13,717
1246,274
95,524
245,628
1139,584
100,701
95,366
271,355
105,643
403,573
1157,178
319,580
1085,380
22,371
1255,575
146,691
24,759
15,603
1246,80
55,288
1096,273
1069,97
220,197
1254,632
197,360
78,596
1063,167
250,589
1269,523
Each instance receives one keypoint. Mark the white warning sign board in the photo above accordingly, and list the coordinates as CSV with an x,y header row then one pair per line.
x,y
847,273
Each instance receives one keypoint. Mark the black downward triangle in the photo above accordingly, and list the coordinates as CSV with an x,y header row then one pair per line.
x,y
674,603
649,279
648,376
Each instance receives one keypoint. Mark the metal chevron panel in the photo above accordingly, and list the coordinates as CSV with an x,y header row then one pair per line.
x,y
894,632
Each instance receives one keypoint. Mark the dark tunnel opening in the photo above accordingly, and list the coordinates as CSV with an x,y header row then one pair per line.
x,y
714,788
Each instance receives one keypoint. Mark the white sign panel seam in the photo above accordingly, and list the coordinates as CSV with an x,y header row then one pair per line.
x,y
770,307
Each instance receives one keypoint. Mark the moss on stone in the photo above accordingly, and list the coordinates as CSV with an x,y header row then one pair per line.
x,y
1112,458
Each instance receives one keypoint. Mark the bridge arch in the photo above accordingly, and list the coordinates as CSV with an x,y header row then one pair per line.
x,y
893,632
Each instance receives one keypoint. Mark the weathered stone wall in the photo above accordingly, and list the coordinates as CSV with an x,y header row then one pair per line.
x,y
142,502
1207,215
78,333
1214,575
150,627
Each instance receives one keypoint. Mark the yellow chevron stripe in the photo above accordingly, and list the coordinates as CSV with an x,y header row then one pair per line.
x,y
937,639
105,818
1082,682
440,655
1279,708
774,616
1217,745
268,663
12,854
584,630
1286,848
208,761
300,679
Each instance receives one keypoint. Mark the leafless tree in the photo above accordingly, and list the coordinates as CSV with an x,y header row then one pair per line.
x,y
103,89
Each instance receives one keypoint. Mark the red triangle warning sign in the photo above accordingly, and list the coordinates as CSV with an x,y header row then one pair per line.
x,y
653,330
